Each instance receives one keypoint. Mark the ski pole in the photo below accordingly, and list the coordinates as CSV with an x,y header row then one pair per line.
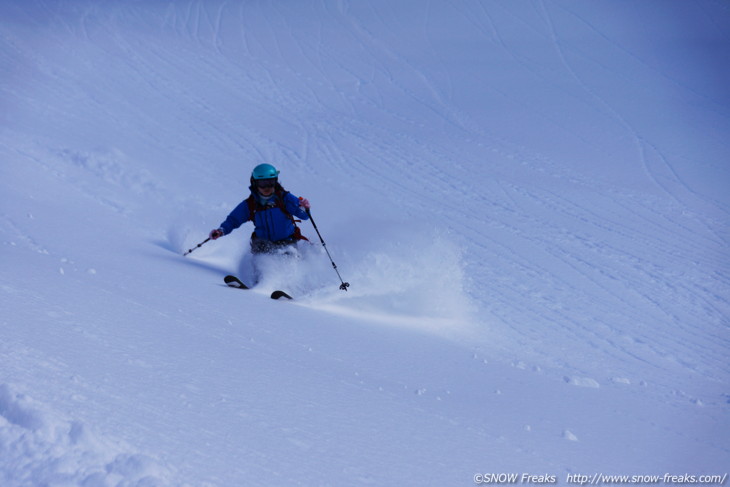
x,y
344,284
196,247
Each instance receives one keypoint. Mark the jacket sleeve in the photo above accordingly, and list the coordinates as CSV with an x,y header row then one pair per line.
x,y
236,218
292,206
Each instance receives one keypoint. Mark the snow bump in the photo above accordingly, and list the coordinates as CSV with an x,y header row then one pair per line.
x,y
38,447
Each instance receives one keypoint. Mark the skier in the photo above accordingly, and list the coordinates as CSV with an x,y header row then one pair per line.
x,y
272,210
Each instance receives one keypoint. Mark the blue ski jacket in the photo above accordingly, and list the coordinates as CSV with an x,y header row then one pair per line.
x,y
270,221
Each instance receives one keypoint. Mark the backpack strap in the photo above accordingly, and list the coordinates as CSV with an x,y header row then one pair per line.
x,y
252,204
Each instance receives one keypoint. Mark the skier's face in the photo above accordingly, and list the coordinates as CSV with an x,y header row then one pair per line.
x,y
266,186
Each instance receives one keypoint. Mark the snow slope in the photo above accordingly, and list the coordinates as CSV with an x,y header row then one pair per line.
x,y
529,200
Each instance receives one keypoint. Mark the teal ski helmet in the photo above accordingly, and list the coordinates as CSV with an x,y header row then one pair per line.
x,y
264,171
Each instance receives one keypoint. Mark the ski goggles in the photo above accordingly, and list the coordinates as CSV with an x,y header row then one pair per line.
x,y
265,183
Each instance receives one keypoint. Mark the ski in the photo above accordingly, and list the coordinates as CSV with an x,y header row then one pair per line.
x,y
280,294
234,282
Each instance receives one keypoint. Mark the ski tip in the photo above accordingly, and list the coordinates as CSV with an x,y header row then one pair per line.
x,y
233,281
280,294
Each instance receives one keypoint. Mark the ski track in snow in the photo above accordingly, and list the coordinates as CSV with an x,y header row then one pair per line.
x,y
538,264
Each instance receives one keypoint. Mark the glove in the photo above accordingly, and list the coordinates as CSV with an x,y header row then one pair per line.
x,y
217,233
304,203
